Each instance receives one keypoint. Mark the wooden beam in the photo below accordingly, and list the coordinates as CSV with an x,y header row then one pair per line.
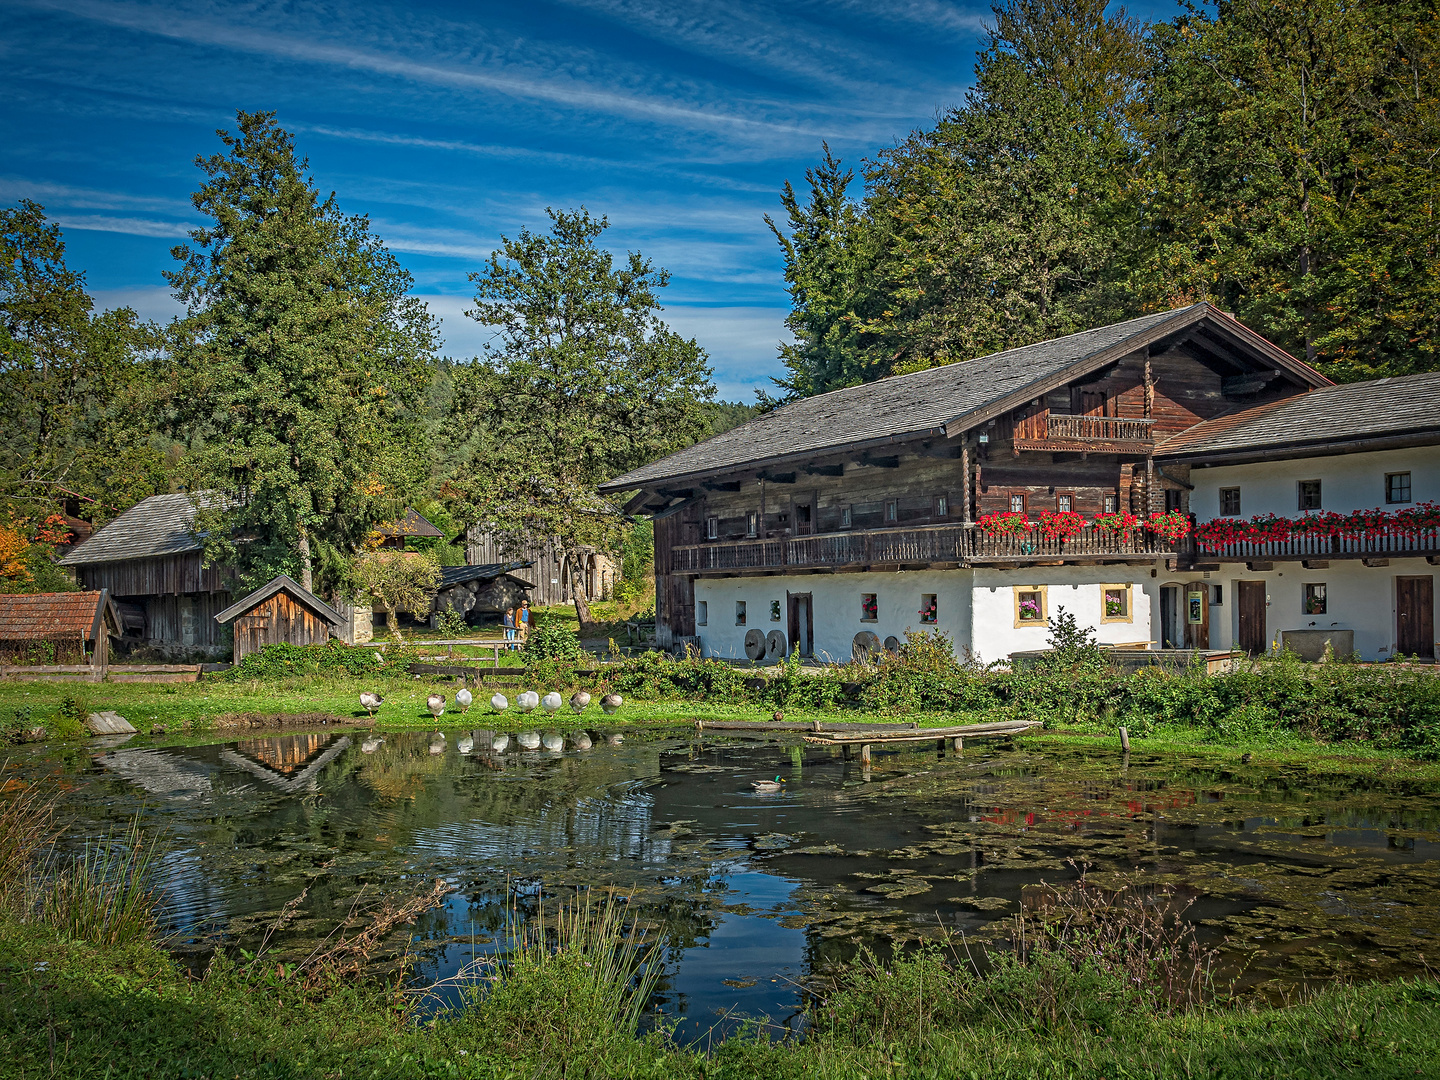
x,y
825,470
1259,567
778,478
1375,562
892,462
1315,564
720,485
676,493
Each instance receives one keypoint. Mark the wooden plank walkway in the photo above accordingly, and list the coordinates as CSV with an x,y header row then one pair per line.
x,y
955,736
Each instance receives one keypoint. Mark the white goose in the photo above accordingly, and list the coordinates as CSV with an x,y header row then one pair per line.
x,y
370,701
464,698
436,704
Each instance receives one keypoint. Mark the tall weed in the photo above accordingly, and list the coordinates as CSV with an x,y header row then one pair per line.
x,y
104,895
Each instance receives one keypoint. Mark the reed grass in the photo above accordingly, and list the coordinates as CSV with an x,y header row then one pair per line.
x,y
27,828
105,894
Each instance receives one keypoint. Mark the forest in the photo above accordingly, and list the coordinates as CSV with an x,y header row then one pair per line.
x,y
1274,157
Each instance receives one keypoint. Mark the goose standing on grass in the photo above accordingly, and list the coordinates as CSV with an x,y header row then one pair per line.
x,y
436,704
611,703
463,698
551,702
499,703
578,701
370,701
768,785
528,701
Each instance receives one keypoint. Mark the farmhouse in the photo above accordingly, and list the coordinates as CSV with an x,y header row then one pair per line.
x,y
149,560
980,498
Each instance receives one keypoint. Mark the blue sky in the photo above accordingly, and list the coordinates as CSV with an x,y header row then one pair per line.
x,y
452,124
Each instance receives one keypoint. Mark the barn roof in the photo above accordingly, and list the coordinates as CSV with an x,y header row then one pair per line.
x,y
458,575
945,400
412,524
159,525
291,588
1396,410
51,616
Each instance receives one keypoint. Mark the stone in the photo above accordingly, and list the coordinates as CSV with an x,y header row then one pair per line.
x,y
108,723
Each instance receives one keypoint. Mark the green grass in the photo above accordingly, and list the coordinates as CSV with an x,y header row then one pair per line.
x,y
76,1010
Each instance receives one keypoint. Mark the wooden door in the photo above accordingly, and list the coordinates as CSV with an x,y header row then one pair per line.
x,y
1197,634
1415,616
802,623
1092,404
1250,603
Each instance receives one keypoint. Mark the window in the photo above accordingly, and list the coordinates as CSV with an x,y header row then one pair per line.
x,y
752,524
1309,494
929,610
1112,503
942,506
1030,605
1217,595
1229,502
739,612
846,517
712,528
774,610
892,511
869,607
1174,500
1397,487
1064,502
1115,603
702,612
1314,598
1017,502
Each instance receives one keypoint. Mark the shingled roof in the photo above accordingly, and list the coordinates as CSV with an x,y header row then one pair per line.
x,y
458,575
53,616
290,587
944,400
1380,411
159,525
412,524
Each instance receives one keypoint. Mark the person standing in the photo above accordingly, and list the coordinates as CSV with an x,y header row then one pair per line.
x,y
522,621
510,626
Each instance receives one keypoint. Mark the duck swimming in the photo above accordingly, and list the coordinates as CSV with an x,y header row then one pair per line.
x,y
768,785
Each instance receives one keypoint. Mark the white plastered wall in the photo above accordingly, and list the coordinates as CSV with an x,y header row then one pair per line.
x,y
1347,482
976,608
1358,597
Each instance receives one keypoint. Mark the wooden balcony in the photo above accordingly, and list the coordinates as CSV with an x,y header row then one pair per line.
x,y
934,545
1044,430
1390,544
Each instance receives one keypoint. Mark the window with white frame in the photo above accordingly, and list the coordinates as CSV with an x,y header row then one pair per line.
x,y
752,524
847,518
892,511
1314,597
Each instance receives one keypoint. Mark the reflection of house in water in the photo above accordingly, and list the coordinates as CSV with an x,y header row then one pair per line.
x,y
287,762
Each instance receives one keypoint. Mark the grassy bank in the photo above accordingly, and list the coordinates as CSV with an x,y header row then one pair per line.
x,y
69,1008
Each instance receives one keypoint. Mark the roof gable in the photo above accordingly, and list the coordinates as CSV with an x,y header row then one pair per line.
x,y
412,524
291,588
943,401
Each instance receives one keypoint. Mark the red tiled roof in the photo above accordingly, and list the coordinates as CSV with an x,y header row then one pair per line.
x,y
47,616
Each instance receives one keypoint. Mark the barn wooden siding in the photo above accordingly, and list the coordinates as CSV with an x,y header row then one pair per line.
x,y
170,574
278,619
186,620
549,571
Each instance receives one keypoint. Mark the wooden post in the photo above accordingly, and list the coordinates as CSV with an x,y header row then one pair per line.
x,y
959,743
845,752
965,481
1124,740
865,754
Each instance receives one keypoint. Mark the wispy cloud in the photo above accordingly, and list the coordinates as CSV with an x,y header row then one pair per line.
x,y
81,198
128,225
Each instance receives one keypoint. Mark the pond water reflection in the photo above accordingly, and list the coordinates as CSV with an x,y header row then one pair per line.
x,y
749,894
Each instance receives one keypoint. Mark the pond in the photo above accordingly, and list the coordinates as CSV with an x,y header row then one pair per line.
x,y
751,894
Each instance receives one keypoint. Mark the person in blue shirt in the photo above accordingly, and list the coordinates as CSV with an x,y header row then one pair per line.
x,y
510,625
522,621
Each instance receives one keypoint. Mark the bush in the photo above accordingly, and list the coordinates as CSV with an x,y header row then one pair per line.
x,y
924,675
551,639
283,660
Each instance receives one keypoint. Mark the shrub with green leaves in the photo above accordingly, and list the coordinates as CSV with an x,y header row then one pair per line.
x,y
551,639
283,660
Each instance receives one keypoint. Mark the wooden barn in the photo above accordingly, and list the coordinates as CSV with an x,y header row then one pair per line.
x,y
550,567
481,593
283,610
149,560
57,628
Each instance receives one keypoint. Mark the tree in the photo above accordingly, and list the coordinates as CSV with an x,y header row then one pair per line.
x,y
584,383
302,367
397,581
829,260
73,384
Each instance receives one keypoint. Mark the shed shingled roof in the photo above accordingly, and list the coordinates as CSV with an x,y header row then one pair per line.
x,y
153,527
48,616
456,575
925,401
1376,409
292,588
413,523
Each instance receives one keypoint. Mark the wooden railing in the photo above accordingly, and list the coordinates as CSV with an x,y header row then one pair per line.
x,y
1390,543
927,544
1089,428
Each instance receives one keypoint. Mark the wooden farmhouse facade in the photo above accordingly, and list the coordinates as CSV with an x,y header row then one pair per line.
x,y
149,560
965,499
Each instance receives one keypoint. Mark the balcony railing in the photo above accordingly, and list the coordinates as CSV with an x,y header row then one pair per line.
x,y
959,544
1044,430
1389,543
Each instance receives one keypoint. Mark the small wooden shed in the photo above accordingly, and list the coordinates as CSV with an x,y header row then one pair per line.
x,y
283,610
58,628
